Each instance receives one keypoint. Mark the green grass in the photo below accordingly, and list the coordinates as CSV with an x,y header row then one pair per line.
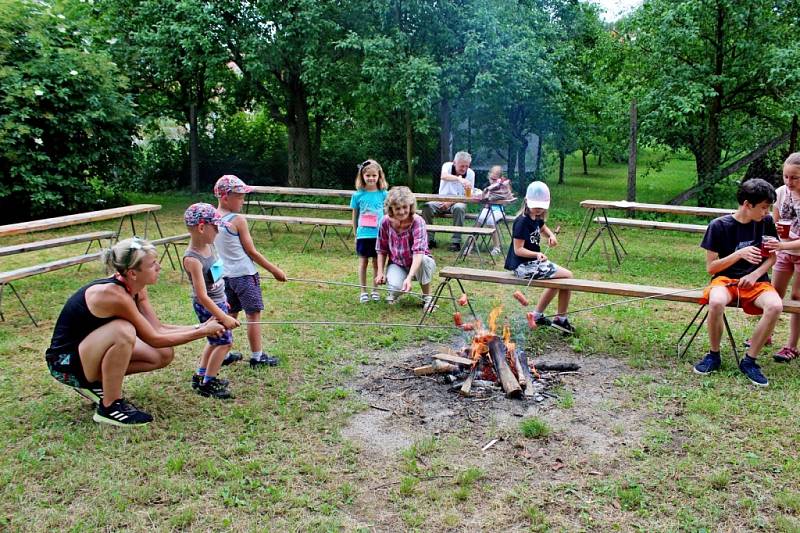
x,y
534,428
711,453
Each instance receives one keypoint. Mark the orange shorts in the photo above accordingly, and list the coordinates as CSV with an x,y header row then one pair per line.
x,y
746,297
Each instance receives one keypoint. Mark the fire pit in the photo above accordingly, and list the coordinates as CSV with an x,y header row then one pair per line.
x,y
490,361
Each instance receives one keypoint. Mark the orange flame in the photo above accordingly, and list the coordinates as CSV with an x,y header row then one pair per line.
x,y
493,316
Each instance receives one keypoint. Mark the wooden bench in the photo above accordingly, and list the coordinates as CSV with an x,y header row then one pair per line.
x,y
98,236
25,272
651,224
322,224
672,294
123,213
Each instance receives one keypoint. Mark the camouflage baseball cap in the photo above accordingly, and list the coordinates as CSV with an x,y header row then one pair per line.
x,y
228,184
202,213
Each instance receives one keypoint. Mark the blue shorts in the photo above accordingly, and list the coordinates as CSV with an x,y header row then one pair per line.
x,y
67,368
203,315
244,292
366,247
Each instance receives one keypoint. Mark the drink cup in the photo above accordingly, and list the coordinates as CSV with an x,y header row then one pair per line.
x,y
783,227
764,240
467,191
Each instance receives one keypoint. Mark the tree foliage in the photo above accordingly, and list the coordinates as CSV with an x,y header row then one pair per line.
x,y
65,115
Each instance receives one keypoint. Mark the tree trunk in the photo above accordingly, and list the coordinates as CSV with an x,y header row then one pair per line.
x,y
444,142
633,150
299,142
409,149
709,152
562,156
194,150
510,162
583,158
316,146
523,149
538,156
599,160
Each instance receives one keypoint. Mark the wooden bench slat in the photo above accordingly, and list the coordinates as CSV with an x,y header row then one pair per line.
x,y
170,239
345,223
652,224
302,205
594,286
25,272
54,243
75,219
657,208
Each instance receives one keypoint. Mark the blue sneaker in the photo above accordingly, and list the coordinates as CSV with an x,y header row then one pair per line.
x,y
710,363
751,369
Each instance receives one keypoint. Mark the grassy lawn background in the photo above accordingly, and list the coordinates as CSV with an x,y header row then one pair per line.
x,y
715,453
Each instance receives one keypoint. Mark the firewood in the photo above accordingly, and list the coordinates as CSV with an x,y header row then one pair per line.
x,y
437,367
466,388
497,351
545,366
450,358
526,371
521,377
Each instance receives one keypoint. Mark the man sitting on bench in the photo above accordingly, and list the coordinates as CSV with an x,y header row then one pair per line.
x,y
456,179
739,263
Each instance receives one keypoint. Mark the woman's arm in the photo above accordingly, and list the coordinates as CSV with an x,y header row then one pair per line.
x,y
113,301
195,270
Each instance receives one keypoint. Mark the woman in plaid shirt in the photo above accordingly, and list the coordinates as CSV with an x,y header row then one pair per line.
x,y
403,242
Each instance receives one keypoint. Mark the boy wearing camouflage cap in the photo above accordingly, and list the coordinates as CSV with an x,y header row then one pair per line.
x,y
208,297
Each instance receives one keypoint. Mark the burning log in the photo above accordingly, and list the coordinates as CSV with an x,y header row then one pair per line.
x,y
544,366
466,387
526,371
497,351
450,358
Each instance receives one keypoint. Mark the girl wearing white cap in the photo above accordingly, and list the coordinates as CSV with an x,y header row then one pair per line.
x,y
526,259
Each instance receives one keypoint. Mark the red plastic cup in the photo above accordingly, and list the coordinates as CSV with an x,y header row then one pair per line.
x,y
783,227
765,239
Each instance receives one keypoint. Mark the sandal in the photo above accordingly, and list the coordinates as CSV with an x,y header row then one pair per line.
x,y
786,354
364,298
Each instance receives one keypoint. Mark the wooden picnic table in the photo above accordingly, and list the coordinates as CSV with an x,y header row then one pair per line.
x,y
607,223
126,212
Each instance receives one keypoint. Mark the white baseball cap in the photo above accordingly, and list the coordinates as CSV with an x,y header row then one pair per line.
x,y
537,196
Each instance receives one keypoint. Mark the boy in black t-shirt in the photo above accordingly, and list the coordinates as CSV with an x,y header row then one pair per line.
x,y
739,270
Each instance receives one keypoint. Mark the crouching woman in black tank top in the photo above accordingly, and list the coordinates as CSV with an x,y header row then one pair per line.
x,y
108,329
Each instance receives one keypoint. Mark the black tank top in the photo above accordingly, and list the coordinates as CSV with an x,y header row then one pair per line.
x,y
76,322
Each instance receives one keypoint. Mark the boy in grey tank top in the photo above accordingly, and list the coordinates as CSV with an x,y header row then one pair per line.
x,y
208,297
239,255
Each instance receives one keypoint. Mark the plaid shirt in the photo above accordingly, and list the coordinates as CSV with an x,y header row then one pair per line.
x,y
401,247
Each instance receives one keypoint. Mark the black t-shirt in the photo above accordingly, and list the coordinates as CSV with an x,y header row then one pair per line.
x,y
529,230
725,235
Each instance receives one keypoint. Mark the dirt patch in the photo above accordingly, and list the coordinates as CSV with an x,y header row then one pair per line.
x,y
405,408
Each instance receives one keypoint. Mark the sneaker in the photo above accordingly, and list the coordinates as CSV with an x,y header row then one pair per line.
x,y
390,299
121,413
93,392
496,251
753,372
197,380
543,321
375,296
564,326
785,354
264,360
710,363
454,247
214,389
231,358
364,298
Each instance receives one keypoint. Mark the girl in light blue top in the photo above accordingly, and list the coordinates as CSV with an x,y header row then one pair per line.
x,y
367,205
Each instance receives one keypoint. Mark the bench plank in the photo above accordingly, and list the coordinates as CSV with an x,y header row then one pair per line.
x,y
346,223
594,286
652,224
302,205
54,243
75,219
26,272
657,208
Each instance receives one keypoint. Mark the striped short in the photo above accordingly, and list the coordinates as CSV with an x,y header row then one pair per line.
x,y
203,315
244,292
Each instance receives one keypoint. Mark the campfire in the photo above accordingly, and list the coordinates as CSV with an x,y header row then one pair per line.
x,y
489,360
